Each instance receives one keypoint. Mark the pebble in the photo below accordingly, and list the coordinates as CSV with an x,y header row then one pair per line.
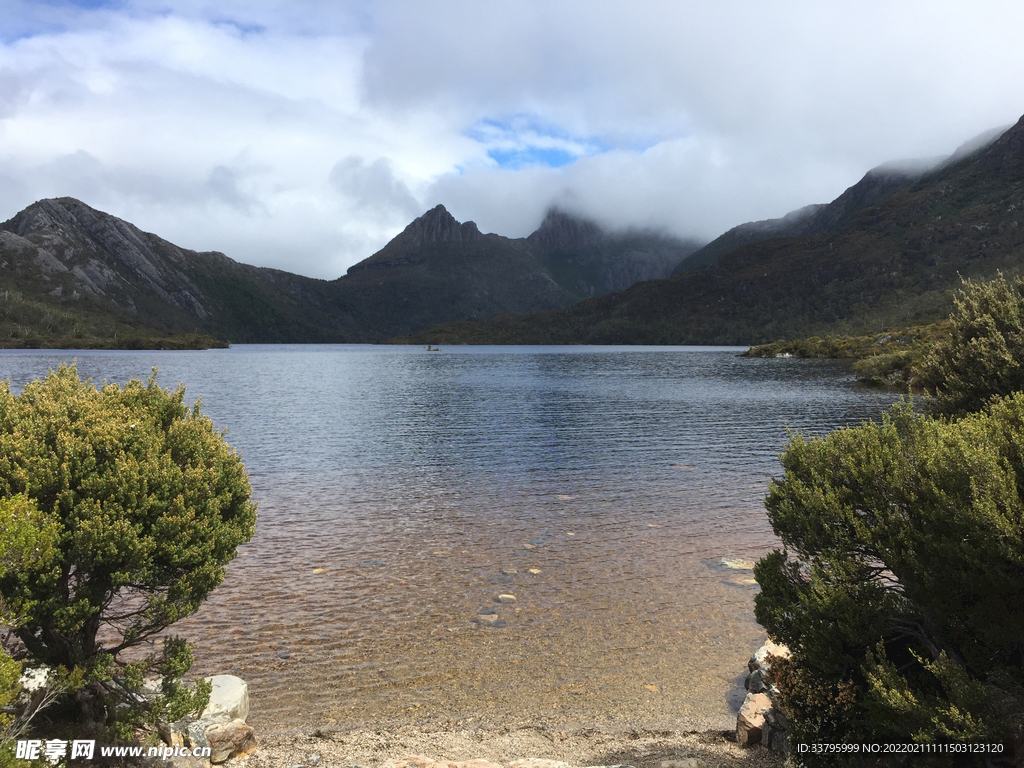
x,y
509,571
534,570
283,655
506,598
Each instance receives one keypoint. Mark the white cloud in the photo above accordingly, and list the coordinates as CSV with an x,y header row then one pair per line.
x,y
303,135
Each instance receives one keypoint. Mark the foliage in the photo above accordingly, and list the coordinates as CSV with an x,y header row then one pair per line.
x,y
148,505
902,576
894,358
27,544
983,357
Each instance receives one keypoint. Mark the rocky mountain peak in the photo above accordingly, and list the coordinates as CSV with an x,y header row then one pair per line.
x,y
438,226
563,230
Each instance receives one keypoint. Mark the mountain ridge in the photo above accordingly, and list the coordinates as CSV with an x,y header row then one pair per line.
x,y
82,272
887,252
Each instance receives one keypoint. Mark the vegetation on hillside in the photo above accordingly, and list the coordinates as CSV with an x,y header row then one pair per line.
x,y
900,584
30,323
895,358
121,508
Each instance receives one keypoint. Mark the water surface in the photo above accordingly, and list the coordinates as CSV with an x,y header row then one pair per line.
x,y
402,491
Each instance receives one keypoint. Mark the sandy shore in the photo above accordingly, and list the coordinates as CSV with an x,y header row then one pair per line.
x,y
326,748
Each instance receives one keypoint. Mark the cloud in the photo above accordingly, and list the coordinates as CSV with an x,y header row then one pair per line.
x,y
373,189
304,135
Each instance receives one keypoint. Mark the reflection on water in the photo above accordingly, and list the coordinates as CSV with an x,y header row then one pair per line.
x,y
615,493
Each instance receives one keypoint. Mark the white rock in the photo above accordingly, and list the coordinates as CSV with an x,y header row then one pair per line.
x,y
229,699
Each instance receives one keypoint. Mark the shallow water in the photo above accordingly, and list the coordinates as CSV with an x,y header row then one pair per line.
x,y
402,491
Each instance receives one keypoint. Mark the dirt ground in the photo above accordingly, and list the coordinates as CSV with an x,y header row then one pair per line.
x,y
323,748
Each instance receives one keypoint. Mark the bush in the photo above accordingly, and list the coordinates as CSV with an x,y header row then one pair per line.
x,y
901,585
27,541
147,504
983,357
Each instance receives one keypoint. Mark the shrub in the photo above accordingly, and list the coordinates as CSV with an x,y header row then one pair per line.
x,y
983,357
901,584
147,504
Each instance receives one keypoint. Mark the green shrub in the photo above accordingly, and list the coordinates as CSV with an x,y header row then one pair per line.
x,y
983,357
147,505
901,581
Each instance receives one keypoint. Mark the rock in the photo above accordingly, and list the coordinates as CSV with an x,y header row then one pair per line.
x,y
755,681
488,620
195,733
151,688
778,741
506,598
173,734
750,721
231,739
777,718
760,657
229,699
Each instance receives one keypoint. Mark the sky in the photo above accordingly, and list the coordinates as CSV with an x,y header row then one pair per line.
x,y
305,134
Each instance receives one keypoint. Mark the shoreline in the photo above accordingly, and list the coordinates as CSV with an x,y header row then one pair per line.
x,y
384,747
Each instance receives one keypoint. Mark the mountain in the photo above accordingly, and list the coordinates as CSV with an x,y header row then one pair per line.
x,y
91,274
887,252
590,261
70,272
877,184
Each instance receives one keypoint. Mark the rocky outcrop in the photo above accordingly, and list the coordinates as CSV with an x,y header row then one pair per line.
x,y
760,719
221,726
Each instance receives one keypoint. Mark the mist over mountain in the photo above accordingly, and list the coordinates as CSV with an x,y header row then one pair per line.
x,y
877,183
69,271
887,252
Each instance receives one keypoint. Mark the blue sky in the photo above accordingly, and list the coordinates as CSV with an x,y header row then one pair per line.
x,y
525,140
303,135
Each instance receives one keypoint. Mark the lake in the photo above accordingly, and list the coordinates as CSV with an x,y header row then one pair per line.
x,y
615,492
